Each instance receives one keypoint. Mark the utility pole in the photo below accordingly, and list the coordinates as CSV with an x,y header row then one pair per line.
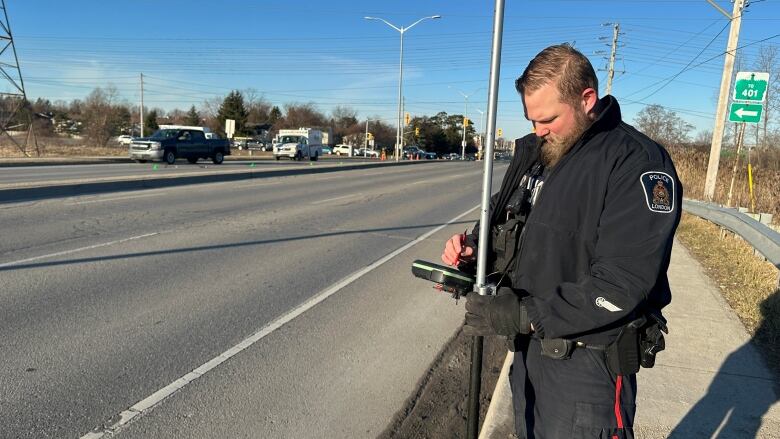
x,y
612,55
365,148
611,73
723,98
142,105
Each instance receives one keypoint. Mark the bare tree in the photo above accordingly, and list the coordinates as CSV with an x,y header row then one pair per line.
x,y
209,110
258,108
177,116
704,137
767,61
663,125
102,115
302,115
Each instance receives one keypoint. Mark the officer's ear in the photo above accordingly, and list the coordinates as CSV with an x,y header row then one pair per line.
x,y
588,100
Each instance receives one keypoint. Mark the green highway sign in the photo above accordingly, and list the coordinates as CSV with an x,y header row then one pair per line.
x,y
748,113
751,86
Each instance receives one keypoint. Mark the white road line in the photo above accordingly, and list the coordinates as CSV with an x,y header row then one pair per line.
x,y
67,252
100,200
267,183
334,199
155,398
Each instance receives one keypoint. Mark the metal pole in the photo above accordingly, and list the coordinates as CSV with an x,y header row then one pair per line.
x,y
463,142
400,82
472,421
723,100
740,140
399,131
750,185
142,105
481,132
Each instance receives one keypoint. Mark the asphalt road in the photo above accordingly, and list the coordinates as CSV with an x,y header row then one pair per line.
x,y
290,297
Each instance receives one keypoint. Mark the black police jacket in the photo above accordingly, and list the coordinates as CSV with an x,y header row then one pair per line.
x,y
597,243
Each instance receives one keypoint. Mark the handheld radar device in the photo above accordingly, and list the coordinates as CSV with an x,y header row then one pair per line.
x,y
451,279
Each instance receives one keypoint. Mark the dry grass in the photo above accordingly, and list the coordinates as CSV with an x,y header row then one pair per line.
x,y
748,283
60,147
691,163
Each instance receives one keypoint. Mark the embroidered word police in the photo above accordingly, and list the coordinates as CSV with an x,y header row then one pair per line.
x,y
659,191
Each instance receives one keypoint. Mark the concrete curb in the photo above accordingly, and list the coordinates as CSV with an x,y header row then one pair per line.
x,y
499,415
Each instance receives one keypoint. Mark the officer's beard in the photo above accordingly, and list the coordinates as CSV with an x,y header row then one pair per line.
x,y
554,147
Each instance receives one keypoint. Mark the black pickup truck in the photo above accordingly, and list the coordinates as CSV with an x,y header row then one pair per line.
x,y
170,144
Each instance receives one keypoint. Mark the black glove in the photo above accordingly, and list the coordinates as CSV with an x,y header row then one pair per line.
x,y
502,314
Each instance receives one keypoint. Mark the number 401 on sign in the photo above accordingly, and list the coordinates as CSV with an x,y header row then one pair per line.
x,y
751,86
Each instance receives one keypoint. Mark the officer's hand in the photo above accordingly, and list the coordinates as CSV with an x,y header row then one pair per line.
x,y
455,251
502,314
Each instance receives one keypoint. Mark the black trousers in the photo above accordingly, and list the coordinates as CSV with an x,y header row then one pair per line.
x,y
575,398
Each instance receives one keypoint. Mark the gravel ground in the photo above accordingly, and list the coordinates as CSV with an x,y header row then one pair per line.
x,y
439,407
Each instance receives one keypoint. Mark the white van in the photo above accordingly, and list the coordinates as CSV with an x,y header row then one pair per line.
x,y
297,144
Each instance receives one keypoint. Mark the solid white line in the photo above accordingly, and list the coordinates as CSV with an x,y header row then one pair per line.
x,y
155,398
100,200
67,252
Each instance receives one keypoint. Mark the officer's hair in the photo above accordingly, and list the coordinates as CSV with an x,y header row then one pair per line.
x,y
562,63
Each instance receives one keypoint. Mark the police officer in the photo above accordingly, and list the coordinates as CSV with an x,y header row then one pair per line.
x,y
581,237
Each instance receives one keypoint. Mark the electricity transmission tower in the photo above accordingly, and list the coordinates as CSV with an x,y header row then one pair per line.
x,y
15,111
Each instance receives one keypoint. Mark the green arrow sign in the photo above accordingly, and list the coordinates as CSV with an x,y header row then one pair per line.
x,y
751,86
748,113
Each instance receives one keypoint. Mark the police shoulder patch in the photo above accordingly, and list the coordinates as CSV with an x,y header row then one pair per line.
x,y
659,191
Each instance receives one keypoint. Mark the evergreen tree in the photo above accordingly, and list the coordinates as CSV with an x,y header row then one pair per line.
x,y
150,122
233,108
275,115
192,118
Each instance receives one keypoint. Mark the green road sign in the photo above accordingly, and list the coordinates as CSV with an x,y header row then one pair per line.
x,y
748,113
751,86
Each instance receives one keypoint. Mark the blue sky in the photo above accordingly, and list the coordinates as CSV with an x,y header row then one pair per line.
x,y
295,51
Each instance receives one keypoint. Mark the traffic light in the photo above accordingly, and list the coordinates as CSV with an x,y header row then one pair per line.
x,y
500,132
369,136
465,121
407,118
416,131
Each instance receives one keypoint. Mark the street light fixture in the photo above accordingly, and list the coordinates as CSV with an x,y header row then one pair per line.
x,y
399,132
465,112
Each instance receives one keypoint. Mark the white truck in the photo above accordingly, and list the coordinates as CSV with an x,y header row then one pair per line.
x,y
297,144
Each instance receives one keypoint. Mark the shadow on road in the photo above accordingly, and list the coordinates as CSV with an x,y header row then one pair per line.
x,y
741,392
21,266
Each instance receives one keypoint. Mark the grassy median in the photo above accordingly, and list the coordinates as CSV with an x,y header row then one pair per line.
x,y
748,282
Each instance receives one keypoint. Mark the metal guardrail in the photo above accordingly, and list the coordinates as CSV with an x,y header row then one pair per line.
x,y
765,240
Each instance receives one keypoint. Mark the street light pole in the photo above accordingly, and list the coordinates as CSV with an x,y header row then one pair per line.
x,y
465,111
365,147
401,30
481,126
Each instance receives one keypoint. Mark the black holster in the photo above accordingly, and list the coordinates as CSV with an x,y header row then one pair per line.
x,y
637,344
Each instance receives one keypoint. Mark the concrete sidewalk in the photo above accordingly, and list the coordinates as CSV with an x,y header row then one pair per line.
x,y
709,382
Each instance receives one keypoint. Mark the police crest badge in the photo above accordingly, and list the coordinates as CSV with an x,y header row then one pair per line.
x,y
659,191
